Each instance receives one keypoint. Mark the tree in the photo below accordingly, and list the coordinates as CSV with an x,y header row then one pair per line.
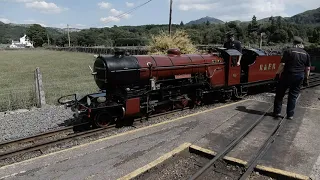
x,y
279,36
254,24
279,24
37,34
181,23
315,37
272,28
207,23
62,40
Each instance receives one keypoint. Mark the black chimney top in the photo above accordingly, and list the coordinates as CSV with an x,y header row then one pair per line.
x,y
119,52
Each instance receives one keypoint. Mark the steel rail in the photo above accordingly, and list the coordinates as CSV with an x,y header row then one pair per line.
x,y
252,164
40,135
230,146
39,146
264,148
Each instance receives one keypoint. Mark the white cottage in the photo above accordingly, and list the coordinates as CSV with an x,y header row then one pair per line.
x,y
24,43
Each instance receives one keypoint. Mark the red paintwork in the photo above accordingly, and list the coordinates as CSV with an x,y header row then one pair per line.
x,y
234,73
165,66
216,75
174,52
183,66
132,106
269,65
197,59
181,61
144,72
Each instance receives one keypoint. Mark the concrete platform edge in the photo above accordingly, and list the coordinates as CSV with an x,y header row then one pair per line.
x,y
273,172
121,134
156,162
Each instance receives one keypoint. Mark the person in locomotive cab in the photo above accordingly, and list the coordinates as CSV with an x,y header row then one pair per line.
x,y
233,44
294,69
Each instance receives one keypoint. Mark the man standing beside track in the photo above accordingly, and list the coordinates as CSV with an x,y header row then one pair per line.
x,y
233,44
294,69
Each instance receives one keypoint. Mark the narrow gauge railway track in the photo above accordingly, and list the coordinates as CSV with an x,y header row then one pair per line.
x,y
11,149
253,162
229,148
29,141
15,149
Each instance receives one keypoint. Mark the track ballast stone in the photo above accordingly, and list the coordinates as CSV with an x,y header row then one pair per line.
x,y
183,166
24,123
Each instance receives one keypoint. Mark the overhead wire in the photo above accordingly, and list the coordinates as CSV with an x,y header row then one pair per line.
x,y
129,11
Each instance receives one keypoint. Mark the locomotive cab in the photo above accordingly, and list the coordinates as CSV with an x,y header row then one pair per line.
x,y
249,57
233,72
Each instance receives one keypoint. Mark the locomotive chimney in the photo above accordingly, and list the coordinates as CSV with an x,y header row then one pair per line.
x,y
175,52
119,52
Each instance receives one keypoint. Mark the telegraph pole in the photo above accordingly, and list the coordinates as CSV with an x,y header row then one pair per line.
x,y
261,35
48,39
68,34
170,17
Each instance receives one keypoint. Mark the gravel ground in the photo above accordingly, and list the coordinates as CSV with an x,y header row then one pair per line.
x,y
184,166
308,98
23,123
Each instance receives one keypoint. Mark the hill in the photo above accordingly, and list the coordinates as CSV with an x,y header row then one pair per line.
x,y
9,32
310,17
204,20
307,17
264,20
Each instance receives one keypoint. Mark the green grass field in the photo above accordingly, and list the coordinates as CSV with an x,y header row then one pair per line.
x,y
63,73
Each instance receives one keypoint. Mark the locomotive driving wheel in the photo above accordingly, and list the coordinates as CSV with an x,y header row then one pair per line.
x,y
103,119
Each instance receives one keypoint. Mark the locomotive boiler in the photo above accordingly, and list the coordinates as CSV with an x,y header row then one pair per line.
x,y
136,86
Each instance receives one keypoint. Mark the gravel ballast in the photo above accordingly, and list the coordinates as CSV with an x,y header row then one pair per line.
x,y
184,166
23,123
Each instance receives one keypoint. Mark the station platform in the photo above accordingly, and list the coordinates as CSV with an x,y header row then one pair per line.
x,y
295,151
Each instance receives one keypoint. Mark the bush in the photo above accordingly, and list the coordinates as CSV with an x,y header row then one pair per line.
x,y
131,42
179,39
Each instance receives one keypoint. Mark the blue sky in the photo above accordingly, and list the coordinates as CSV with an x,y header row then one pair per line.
x,y
99,13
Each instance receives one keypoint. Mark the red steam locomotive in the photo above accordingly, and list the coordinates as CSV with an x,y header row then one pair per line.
x,y
137,86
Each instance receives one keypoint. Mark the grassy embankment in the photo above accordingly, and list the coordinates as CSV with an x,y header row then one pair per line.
x,y
63,73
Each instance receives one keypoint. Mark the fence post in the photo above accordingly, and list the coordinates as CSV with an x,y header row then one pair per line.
x,y
40,95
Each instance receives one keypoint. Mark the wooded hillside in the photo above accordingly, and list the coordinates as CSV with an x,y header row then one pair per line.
x,y
276,30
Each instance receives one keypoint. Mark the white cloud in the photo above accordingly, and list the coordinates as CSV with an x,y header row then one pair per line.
x,y
62,25
25,0
243,9
104,5
79,26
32,21
45,7
5,20
186,7
115,12
115,16
19,1
109,19
128,4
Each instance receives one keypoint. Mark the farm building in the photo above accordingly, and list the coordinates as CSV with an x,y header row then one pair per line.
x,y
23,43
